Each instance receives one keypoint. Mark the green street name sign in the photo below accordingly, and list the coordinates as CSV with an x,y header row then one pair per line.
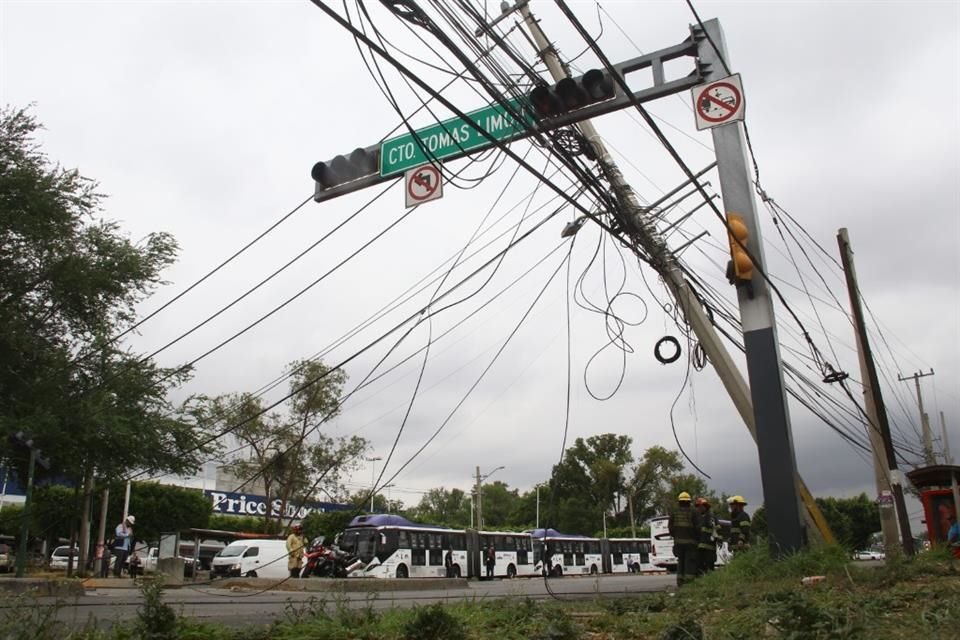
x,y
449,138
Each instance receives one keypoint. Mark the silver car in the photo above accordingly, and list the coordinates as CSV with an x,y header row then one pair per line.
x,y
61,557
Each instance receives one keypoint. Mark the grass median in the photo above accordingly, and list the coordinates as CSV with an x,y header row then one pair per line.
x,y
751,598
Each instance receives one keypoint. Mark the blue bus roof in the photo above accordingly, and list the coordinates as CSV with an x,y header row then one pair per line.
x,y
553,533
387,520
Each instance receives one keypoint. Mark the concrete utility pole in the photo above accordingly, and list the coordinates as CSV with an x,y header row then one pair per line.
x,y
21,562
102,552
886,474
928,456
767,406
479,502
84,555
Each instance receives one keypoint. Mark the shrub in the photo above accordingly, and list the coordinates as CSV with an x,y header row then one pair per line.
x,y
433,623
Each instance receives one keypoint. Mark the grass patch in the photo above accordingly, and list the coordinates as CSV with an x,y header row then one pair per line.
x,y
751,598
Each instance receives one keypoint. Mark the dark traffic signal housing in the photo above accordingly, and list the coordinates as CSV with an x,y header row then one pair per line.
x,y
361,162
571,94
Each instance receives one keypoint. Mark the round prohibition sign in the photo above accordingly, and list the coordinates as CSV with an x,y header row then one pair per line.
x,y
719,102
423,183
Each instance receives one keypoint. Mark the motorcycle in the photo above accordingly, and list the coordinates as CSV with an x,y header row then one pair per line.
x,y
326,561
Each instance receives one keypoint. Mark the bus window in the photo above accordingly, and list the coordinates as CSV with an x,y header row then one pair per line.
x,y
436,549
418,549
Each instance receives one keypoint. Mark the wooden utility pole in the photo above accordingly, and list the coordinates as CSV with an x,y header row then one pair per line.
x,y
928,456
876,411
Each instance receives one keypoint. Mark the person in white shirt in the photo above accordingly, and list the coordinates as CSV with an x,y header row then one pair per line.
x,y
123,543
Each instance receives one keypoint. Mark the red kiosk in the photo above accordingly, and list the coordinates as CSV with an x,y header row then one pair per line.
x,y
937,485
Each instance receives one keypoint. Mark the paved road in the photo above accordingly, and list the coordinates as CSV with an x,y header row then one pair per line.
x,y
236,608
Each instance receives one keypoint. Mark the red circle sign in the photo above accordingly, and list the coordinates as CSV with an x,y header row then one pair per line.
x,y
719,102
423,183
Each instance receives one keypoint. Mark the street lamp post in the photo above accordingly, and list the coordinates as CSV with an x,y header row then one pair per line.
x,y
480,479
373,478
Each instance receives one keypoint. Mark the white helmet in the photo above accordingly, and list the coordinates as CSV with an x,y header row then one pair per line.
x,y
131,519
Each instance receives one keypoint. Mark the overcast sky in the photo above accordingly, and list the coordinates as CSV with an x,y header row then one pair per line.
x,y
204,119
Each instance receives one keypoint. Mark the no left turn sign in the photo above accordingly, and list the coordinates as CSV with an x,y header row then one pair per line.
x,y
423,184
718,102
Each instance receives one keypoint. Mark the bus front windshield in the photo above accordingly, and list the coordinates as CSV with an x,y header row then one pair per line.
x,y
360,542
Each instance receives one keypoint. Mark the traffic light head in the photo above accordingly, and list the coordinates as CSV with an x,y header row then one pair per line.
x,y
741,263
571,94
360,163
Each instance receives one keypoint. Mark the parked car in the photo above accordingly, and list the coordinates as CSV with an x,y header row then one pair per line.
x,y
148,562
8,557
869,554
60,557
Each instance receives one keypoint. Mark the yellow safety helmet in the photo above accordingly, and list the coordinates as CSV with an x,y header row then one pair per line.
x,y
683,497
737,500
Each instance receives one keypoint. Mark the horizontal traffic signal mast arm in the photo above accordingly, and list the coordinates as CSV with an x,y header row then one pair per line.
x,y
361,168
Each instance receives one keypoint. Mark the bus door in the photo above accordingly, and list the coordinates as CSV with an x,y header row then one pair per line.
x,y
578,548
608,549
474,552
520,545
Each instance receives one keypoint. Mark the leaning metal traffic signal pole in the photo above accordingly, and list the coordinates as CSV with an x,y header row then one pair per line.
x,y
781,482
764,367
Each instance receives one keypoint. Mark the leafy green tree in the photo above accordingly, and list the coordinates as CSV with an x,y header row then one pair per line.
x,y
524,515
589,481
51,513
499,504
328,524
852,520
289,456
692,484
159,508
10,516
69,282
625,532
650,481
443,507
758,523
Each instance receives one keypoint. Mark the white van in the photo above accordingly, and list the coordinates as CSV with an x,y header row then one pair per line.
x,y
252,559
661,552
661,544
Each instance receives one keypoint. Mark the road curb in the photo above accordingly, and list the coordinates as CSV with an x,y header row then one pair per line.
x,y
356,584
57,587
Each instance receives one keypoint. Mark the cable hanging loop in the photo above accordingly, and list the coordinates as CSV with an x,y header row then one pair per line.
x,y
662,359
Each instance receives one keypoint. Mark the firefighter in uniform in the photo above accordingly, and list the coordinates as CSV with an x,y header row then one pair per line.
x,y
739,525
707,540
683,525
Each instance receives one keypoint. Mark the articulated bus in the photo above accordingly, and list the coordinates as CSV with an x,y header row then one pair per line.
x,y
567,554
626,555
391,546
514,553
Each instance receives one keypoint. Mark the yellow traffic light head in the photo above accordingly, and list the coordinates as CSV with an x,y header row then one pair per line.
x,y
740,259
